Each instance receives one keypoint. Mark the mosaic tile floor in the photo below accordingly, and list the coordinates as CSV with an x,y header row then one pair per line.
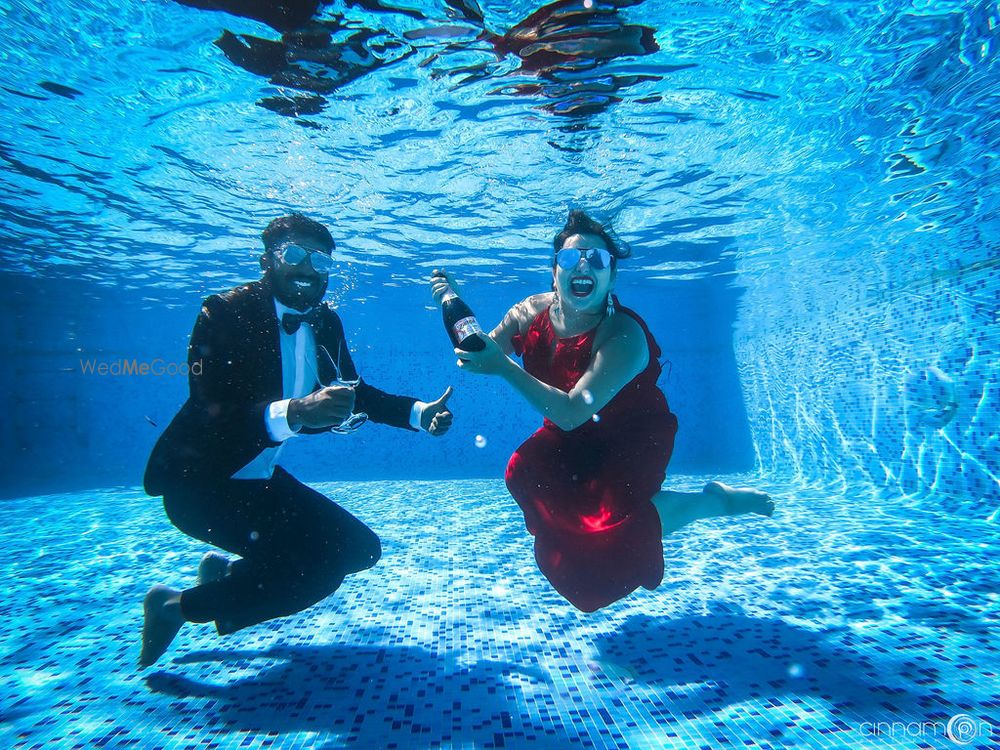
x,y
844,622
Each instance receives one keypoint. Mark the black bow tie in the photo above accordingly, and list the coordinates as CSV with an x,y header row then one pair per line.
x,y
290,321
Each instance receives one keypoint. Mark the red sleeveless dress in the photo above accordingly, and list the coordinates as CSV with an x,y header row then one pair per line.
x,y
586,493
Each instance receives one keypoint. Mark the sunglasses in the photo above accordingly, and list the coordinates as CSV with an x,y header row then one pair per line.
x,y
569,257
293,255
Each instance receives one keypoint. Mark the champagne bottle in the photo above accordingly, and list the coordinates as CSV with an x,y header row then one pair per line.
x,y
461,323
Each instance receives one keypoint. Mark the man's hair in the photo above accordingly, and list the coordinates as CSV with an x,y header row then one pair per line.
x,y
297,224
579,223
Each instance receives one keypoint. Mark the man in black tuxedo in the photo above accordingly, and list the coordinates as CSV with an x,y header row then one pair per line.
x,y
274,364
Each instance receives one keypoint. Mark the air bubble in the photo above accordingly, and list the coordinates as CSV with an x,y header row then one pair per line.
x,y
795,670
254,536
480,441
588,397
596,417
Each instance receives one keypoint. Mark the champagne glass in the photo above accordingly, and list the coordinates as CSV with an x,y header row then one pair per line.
x,y
325,361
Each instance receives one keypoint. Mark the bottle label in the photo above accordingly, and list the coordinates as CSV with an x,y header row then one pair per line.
x,y
466,327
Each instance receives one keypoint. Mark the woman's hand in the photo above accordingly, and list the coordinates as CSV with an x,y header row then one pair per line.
x,y
441,281
489,361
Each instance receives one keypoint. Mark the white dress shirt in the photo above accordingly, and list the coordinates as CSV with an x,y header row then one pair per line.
x,y
299,377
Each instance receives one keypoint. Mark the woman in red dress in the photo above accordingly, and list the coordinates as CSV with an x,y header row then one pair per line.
x,y
588,481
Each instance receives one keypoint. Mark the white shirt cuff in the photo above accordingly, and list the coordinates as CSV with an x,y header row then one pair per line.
x,y
416,412
276,419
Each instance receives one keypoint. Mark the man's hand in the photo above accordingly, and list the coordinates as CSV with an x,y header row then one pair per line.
x,y
324,407
436,419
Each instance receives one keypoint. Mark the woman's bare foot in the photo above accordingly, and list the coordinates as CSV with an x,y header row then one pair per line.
x,y
213,567
162,619
740,500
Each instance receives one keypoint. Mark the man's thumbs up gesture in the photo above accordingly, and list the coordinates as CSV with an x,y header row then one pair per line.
x,y
436,419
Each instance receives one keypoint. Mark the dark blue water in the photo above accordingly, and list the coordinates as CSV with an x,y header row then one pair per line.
x,y
806,189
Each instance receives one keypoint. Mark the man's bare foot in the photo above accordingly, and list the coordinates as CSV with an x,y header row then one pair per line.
x,y
740,500
213,567
162,619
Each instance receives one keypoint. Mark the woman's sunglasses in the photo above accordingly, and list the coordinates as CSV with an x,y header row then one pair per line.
x,y
293,255
569,257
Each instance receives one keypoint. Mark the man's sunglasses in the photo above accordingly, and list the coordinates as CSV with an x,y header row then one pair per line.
x,y
569,257
293,255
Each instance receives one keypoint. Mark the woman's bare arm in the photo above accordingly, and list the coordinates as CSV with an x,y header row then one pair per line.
x,y
517,320
621,355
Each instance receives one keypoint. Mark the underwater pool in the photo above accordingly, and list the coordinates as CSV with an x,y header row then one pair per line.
x,y
809,194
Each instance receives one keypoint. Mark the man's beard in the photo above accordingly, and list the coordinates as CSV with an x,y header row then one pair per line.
x,y
287,294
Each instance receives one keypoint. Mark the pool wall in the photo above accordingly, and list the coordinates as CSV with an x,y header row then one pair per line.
x,y
68,429
884,374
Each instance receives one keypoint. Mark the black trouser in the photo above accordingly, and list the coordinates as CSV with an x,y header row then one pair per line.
x,y
296,547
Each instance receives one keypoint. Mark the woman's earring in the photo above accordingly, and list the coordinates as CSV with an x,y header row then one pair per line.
x,y
611,306
555,301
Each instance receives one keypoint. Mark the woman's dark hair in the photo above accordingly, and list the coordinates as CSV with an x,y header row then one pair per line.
x,y
299,225
579,223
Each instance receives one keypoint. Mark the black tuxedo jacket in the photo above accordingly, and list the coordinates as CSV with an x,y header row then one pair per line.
x,y
221,426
